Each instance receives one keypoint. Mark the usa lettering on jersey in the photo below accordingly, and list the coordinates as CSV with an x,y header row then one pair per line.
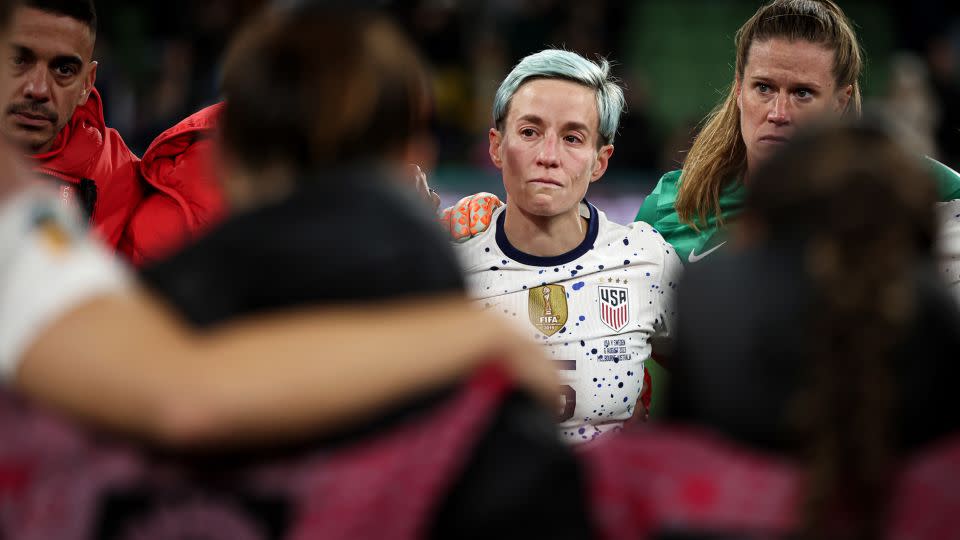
x,y
614,307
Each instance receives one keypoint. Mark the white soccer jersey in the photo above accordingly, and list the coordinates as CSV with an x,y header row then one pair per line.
x,y
948,245
596,309
48,266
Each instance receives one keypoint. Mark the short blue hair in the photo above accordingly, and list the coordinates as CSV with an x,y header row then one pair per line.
x,y
570,66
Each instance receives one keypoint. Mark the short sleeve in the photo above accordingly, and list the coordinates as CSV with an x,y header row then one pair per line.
x,y
48,266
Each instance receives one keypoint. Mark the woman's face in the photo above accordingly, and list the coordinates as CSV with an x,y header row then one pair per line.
x,y
548,150
785,85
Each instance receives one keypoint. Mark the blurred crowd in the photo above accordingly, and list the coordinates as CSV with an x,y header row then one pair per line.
x,y
160,61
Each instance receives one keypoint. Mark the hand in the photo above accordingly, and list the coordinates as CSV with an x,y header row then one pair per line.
x,y
419,178
470,216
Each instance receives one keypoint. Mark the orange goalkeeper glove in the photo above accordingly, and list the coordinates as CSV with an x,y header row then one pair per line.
x,y
470,216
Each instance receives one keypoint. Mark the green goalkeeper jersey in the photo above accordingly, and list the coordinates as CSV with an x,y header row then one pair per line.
x,y
693,245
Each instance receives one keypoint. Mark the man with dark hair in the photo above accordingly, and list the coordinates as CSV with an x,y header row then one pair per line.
x,y
53,111
53,70
80,10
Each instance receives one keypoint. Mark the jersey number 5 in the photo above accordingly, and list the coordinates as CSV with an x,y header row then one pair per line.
x,y
569,395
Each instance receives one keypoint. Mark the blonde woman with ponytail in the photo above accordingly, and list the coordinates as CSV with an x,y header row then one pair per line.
x,y
796,61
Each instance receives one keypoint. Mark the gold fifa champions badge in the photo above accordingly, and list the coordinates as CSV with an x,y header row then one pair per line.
x,y
55,237
52,231
548,308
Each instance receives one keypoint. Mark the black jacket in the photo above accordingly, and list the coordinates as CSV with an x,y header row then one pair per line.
x,y
350,236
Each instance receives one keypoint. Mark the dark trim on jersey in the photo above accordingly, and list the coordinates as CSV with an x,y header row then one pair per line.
x,y
593,229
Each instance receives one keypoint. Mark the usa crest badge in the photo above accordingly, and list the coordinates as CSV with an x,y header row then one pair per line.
x,y
614,307
548,308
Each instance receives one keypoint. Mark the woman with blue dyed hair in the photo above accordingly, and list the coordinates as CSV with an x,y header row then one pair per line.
x,y
596,293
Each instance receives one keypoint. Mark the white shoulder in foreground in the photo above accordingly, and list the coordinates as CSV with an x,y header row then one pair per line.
x,y
48,266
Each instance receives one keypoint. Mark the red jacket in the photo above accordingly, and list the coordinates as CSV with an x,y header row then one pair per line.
x,y
184,196
95,168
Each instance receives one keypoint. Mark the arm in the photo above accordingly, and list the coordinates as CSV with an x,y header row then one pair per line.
x,y
121,360
664,333
470,216
77,335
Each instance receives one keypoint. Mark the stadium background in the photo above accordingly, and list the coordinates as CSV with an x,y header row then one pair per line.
x,y
159,61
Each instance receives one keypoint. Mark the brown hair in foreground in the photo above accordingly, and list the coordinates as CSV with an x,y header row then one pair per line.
x,y
863,209
315,86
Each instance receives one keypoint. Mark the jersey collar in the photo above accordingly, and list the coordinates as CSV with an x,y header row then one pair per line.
x,y
593,228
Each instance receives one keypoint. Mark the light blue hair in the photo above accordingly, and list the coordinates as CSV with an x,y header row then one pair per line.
x,y
560,64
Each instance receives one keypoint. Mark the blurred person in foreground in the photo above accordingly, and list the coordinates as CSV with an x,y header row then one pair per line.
x,y
79,335
598,294
326,161
312,178
824,404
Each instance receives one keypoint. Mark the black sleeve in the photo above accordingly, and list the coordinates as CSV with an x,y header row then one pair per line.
x,y
325,244
198,281
520,482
